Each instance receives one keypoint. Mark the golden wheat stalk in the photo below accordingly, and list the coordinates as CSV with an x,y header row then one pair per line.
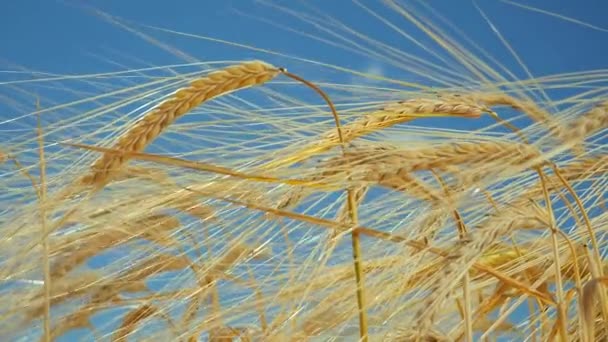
x,y
184,100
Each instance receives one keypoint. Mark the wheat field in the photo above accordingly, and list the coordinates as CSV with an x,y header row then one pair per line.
x,y
280,198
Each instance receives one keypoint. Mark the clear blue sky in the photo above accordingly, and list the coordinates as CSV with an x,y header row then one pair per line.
x,y
66,37
59,36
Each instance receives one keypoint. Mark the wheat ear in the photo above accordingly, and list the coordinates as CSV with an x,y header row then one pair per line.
x,y
390,115
527,107
184,100
362,165
42,187
594,120
352,209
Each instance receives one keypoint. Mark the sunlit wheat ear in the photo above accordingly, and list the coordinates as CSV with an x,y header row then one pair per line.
x,y
527,107
220,189
71,254
469,250
360,162
522,211
392,167
390,115
593,121
575,171
396,179
184,100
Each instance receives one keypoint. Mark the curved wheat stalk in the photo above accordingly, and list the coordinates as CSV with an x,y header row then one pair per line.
x,y
162,116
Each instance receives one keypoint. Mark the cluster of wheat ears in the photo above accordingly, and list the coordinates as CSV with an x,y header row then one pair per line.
x,y
289,221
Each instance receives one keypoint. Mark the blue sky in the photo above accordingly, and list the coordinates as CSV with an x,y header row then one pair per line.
x,y
60,36
65,37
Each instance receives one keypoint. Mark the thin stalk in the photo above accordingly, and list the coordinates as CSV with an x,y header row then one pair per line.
x,y
594,244
352,210
356,241
45,240
259,300
193,165
466,281
420,246
561,310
